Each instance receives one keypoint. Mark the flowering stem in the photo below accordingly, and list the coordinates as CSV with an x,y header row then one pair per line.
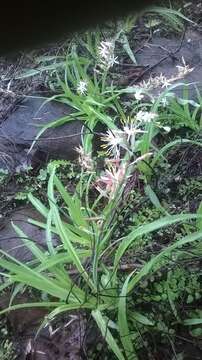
x,y
96,202
104,76
87,192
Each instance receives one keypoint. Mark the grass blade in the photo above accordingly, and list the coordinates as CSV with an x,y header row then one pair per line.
x,y
123,322
102,324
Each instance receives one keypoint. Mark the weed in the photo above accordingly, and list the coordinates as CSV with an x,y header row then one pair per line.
x,y
7,349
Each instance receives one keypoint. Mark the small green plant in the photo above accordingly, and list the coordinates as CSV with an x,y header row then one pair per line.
x,y
194,322
7,349
3,176
184,112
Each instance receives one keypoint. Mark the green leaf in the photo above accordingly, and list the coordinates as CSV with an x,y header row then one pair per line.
x,y
141,318
107,120
43,210
31,305
192,321
74,205
52,124
199,220
102,324
154,200
59,259
127,49
146,229
20,272
49,233
172,303
29,244
197,332
41,69
124,331
66,240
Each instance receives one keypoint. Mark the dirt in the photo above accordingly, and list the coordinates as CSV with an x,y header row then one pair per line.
x,y
69,336
61,339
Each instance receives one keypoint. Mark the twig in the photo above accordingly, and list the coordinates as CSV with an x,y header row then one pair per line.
x,y
170,54
124,268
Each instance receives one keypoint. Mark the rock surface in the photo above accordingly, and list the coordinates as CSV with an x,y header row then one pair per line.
x,y
19,130
173,51
11,243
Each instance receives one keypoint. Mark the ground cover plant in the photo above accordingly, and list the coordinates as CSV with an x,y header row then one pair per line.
x,y
129,228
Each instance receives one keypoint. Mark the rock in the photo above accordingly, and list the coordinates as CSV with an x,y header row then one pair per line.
x,y
19,130
190,50
11,243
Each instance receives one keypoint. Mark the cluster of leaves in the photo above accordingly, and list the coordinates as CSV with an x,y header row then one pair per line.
x,y
28,181
7,350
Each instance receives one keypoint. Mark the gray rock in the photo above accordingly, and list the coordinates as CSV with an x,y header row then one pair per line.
x,y
19,130
11,243
190,51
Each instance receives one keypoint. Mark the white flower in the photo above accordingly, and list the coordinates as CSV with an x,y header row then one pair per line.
x,y
155,82
167,128
113,140
145,116
132,130
82,87
166,82
139,95
183,70
164,102
105,48
106,54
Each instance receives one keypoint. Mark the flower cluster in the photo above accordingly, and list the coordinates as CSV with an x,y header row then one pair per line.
x,y
85,160
130,130
115,175
183,69
114,140
145,116
162,81
108,183
117,168
155,82
82,87
106,54
139,93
